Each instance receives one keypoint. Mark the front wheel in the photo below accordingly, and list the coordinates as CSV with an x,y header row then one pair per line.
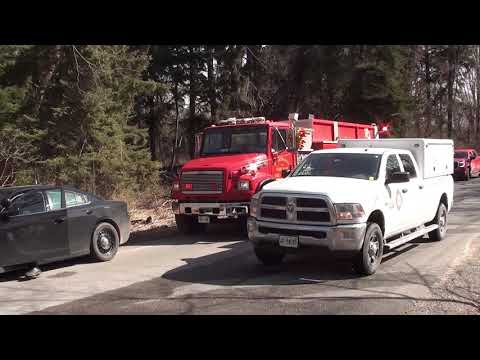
x,y
440,220
187,224
105,242
269,255
370,255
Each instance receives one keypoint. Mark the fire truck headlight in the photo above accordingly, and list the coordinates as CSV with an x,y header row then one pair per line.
x,y
349,211
243,185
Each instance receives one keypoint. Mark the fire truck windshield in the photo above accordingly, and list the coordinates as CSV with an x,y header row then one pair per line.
x,y
461,154
357,166
235,140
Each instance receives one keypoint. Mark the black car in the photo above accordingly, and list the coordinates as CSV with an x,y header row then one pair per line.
x,y
43,224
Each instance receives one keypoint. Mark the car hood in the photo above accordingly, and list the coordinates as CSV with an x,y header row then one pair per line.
x,y
228,162
339,190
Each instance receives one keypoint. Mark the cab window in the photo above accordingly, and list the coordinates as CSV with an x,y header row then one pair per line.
x,y
392,165
408,165
29,203
279,139
75,199
53,199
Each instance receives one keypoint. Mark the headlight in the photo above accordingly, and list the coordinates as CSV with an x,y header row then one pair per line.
x,y
349,211
243,185
253,206
176,186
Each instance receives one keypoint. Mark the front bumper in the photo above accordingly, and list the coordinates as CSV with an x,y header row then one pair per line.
x,y
219,210
335,238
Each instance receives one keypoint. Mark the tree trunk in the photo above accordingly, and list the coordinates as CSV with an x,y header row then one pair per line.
x,y
450,88
175,145
428,80
212,97
477,102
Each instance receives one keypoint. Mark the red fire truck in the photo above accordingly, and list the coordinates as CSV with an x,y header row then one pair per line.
x,y
236,157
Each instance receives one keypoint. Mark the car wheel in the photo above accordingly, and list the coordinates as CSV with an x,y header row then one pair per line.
x,y
269,255
440,220
370,256
105,242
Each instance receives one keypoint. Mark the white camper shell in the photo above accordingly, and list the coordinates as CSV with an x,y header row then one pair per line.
x,y
434,157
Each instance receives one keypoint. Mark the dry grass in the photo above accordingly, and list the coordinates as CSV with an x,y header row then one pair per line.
x,y
154,203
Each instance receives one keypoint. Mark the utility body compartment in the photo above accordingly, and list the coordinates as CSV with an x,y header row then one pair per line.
x,y
434,157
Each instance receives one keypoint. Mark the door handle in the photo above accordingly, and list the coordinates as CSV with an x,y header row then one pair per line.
x,y
88,212
404,190
59,220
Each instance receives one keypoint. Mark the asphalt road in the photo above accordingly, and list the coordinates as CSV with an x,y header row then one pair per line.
x,y
162,272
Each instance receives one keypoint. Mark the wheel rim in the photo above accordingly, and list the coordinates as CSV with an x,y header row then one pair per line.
x,y
373,248
442,220
106,241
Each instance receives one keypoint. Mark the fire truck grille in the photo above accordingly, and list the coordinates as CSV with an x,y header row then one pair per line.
x,y
296,209
202,182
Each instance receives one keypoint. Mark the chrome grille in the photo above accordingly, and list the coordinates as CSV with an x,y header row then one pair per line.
x,y
202,182
296,209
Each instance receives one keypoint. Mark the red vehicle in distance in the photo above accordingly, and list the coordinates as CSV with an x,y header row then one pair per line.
x,y
466,163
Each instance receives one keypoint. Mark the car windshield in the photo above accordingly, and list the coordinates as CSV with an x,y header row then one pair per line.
x,y
461,154
235,140
357,166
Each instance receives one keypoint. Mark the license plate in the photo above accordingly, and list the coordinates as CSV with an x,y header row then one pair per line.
x,y
203,219
288,241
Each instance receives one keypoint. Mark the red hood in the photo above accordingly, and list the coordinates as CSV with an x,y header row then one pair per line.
x,y
229,162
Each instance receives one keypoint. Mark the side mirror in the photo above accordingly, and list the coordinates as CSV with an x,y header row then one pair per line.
x,y
398,177
286,172
5,203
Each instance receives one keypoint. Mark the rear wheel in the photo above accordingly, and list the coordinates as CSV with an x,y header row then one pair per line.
x,y
189,225
105,242
440,220
269,255
370,256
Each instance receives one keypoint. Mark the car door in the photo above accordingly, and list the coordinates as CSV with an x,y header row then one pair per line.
x,y
475,164
394,202
81,221
37,233
414,193
282,156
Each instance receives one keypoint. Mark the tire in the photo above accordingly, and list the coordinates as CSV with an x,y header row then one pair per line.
x,y
269,255
440,220
187,224
243,225
105,242
370,256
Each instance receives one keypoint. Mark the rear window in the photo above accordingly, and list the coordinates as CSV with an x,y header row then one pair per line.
x,y
408,165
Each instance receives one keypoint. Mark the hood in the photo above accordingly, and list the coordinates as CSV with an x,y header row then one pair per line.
x,y
339,190
229,162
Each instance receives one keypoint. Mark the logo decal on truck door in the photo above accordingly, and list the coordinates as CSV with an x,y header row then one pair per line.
x,y
399,199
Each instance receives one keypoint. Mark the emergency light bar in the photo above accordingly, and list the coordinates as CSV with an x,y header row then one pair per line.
x,y
235,121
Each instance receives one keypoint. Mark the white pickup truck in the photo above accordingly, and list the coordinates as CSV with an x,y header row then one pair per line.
x,y
361,199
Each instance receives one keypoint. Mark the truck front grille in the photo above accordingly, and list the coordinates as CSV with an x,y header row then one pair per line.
x,y
296,209
202,182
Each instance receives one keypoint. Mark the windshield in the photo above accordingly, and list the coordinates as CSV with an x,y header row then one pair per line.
x,y
235,140
461,154
357,166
